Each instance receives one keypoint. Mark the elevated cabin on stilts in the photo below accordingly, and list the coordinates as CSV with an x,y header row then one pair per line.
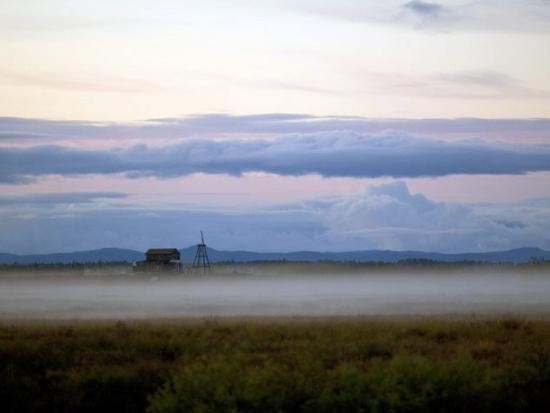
x,y
160,259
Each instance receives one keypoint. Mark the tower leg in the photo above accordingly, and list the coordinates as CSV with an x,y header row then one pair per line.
x,y
201,258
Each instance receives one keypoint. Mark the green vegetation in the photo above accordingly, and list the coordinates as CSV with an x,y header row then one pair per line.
x,y
277,365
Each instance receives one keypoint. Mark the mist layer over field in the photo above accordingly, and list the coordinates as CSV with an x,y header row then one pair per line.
x,y
254,294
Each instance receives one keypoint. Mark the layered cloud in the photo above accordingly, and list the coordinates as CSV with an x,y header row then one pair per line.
x,y
217,124
386,216
44,199
330,154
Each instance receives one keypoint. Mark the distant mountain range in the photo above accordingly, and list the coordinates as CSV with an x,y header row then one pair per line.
x,y
187,254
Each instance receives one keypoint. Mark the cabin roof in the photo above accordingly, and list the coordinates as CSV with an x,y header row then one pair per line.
x,y
161,251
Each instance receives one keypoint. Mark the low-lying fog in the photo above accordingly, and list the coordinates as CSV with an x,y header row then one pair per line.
x,y
142,296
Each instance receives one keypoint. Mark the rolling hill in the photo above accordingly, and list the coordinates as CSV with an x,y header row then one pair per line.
x,y
187,254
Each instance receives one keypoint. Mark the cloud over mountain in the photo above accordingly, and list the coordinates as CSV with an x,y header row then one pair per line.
x,y
384,216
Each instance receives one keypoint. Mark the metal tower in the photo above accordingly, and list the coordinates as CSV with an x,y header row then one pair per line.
x,y
201,256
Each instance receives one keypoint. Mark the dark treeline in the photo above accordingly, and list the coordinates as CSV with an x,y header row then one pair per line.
x,y
413,265
77,267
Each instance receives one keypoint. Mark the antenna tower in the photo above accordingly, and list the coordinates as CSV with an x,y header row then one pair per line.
x,y
201,256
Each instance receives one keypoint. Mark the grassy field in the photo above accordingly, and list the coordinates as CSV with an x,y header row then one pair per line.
x,y
277,365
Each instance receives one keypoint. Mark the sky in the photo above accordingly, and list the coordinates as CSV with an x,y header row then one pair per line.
x,y
275,125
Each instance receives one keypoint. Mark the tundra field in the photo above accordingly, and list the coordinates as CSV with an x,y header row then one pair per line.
x,y
277,338
277,365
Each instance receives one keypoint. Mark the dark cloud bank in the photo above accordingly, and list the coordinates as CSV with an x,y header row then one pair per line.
x,y
330,154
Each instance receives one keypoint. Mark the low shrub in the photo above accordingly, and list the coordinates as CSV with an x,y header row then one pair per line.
x,y
322,366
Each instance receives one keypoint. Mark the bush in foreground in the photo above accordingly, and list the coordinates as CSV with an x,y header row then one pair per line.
x,y
345,365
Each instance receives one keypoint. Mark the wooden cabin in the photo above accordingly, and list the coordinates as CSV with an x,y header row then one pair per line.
x,y
162,255
160,259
